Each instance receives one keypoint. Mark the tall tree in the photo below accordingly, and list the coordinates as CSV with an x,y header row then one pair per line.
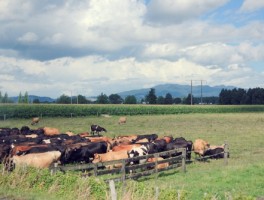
x,y
82,99
26,98
177,100
188,99
115,99
1,98
102,99
20,98
160,100
64,99
151,98
130,99
225,97
168,99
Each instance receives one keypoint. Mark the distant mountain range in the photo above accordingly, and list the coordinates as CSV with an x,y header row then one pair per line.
x,y
175,90
33,97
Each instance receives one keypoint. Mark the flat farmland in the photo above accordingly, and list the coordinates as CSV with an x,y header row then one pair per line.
x,y
242,178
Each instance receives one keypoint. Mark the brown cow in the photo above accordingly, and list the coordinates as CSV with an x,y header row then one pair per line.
x,y
51,131
16,149
200,146
38,160
160,165
69,133
84,134
109,156
125,147
122,120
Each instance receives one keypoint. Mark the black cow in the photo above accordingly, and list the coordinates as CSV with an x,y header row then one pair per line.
x,y
4,151
82,153
97,129
149,137
216,153
160,145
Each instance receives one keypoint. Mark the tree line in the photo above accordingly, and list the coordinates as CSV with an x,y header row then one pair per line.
x,y
236,96
241,96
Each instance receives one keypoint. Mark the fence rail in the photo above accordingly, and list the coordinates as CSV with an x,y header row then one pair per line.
x,y
97,169
145,169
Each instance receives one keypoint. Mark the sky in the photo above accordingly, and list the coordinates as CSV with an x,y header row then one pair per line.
x,y
89,47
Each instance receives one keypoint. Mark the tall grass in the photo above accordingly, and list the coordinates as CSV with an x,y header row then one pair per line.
x,y
242,178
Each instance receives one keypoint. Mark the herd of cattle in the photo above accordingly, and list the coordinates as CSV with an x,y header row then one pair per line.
x,y
43,146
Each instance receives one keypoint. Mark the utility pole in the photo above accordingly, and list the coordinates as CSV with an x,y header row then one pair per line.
x,y
71,97
191,94
201,90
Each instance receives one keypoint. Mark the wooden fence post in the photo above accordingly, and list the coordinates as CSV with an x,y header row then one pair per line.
x,y
226,153
54,168
112,190
123,170
95,169
156,193
184,160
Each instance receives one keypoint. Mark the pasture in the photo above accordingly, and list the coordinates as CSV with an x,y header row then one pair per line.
x,y
242,178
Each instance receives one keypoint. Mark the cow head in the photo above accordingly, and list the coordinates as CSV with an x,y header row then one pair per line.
x,y
132,154
97,158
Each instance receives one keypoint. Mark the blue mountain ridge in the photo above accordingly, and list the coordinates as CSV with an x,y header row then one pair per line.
x,y
176,90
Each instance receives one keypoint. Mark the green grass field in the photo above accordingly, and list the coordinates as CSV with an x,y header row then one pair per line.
x,y
242,178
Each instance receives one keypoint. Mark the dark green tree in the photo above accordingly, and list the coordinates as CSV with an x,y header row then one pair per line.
x,y
257,96
36,101
168,99
130,99
177,100
6,99
64,99
225,97
82,99
160,100
187,100
151,97
115,99
20,98
102,99
26,98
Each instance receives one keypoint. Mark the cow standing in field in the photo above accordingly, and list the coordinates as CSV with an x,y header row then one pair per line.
x,y
35,120
200,146
97,129
122,120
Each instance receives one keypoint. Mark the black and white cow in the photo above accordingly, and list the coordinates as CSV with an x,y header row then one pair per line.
x,y
97,129
138,151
